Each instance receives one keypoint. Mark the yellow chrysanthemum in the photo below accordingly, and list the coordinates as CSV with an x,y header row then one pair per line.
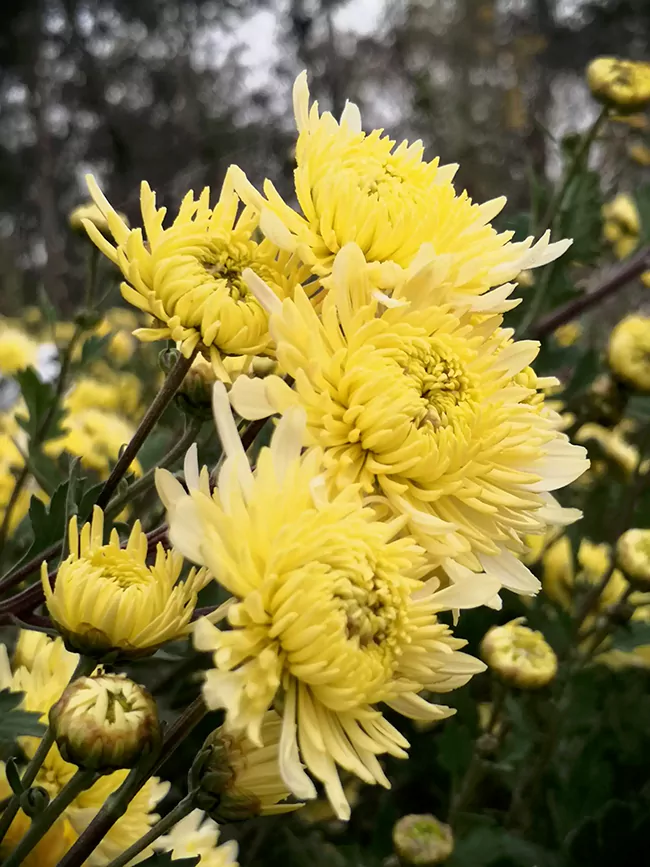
x,y
197,835
561,578
629,351
108,598
357,187
621,224
17,350
436,419
329,612
95,436
188,276
20,507
42,685
623,84
118,393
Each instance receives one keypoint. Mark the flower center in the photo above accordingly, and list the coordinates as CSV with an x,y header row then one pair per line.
x,y
380,180
225,265
527,647
119,567
368,607
441,381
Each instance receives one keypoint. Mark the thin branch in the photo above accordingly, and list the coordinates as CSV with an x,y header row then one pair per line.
x,y
613,281
151,417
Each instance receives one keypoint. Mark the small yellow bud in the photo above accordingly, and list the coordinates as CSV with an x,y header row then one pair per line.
x,y
640,153
633,556
525,279
623,84
629,351
105,722
422,840
92,213
195,393
567,334
121,347
238,780
519,655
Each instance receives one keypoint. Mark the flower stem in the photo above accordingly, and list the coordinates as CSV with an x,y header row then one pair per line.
x,y
182,809
81,781
476,768
613,281
629,497
146,481
116,804
84,667
579,159
580,156
160,403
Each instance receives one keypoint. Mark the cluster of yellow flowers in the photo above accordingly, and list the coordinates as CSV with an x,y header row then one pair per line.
x,y
412,455
622,228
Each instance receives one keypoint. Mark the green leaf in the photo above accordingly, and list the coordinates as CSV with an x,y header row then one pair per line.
x,y
88,498
638,408
631,636
92,349
586,370
455,746
581,217
487,846
14,722
47,308
39,398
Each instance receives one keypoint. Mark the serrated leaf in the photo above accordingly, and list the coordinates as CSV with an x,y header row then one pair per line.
x,y
38,397
581,217
92,349
14,722
88,498
46,307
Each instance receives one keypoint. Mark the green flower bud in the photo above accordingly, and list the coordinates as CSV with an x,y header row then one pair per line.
x,y
422,840
105,723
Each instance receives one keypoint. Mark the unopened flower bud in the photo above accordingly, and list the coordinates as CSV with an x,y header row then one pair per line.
x,y
105,722
236,779
519,655
633,556
422,840
623,84
629,351
90,212
195,393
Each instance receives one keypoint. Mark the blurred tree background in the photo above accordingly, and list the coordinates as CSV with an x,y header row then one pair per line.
x,y
174,91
